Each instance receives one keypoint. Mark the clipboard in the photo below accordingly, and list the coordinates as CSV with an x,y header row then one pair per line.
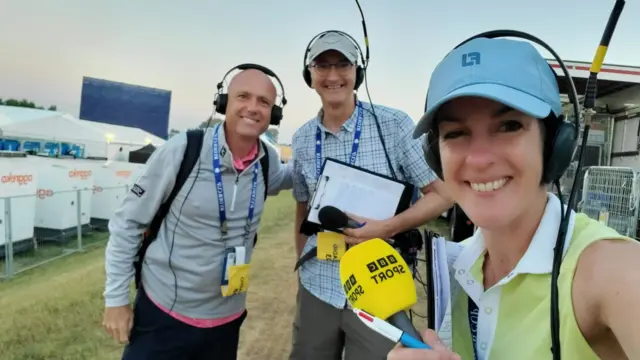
x,y
431,304
340,185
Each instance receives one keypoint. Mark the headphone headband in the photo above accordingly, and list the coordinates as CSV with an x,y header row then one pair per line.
x,y
263,69
360,69
320,35
573,94
221,99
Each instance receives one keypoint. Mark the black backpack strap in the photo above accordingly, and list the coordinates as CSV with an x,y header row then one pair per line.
x,y
264,165
191,156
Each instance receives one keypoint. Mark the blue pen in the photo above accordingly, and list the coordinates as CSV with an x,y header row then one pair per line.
x,y
389,331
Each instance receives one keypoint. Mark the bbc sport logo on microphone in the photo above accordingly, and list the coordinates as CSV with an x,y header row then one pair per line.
x,y
381,271
373,270
381,263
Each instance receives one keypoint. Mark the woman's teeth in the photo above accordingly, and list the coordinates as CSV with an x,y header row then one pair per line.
x,y
489,186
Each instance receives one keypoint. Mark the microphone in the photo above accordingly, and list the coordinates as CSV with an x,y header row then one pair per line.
x,y
370,272
334,218
330,217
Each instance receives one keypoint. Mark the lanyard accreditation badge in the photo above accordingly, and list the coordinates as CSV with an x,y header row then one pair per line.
x,y
331,245
235,270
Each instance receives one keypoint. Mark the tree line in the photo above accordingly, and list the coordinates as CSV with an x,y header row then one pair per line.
x,y
26,104
210,122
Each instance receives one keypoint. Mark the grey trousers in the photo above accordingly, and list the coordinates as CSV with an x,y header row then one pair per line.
x,y
323,332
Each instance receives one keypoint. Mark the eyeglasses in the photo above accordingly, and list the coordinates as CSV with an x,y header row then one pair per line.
x,y
323,68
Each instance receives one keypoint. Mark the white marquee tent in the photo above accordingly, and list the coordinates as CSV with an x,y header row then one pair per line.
x,y
99,139
127,138
44,125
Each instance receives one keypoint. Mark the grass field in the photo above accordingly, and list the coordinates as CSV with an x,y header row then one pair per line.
x,y
55,311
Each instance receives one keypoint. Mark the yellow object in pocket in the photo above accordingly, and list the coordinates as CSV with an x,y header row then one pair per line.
x,y
331,246
238,280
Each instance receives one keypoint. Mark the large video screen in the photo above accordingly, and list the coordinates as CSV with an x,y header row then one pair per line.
x,y
125,104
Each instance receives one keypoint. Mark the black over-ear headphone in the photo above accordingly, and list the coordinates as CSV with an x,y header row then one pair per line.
x,y
563,143
360,69
221,99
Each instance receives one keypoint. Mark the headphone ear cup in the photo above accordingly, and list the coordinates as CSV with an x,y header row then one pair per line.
x,y
221,103
306,75
561,152
432,154
359,77
276,115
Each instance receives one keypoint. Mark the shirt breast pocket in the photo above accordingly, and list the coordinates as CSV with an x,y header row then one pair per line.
x,y
309,173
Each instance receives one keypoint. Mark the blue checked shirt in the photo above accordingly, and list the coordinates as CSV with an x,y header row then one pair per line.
x,y
322,278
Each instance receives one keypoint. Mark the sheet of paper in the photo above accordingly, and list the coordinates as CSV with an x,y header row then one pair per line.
x,y
437,284
445,286
355,191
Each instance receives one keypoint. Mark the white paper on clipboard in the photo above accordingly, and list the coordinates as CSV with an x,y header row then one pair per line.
x,y
355,191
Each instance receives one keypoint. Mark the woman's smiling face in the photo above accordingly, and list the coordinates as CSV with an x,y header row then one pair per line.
x,y
492,159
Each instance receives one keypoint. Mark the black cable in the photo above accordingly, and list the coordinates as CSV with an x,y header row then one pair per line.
x,y
173,237
417,277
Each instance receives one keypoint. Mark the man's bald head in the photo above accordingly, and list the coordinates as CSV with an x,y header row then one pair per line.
x,y
256,82
252,96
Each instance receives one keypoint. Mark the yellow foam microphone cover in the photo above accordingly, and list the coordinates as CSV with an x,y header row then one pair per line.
x,y
376,279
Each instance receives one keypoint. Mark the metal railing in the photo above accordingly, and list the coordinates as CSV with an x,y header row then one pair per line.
x,y
46,226
612,195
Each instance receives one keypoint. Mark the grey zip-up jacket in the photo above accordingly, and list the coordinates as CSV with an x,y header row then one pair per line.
x,y
183,266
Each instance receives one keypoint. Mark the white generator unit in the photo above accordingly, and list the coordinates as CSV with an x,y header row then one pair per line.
x,y
126,172
18,181
57,205
108,188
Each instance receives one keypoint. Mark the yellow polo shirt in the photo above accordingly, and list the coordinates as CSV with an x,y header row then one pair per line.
x,y
513,316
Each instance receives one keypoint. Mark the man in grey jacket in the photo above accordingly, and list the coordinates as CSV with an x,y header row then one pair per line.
x,y
191,302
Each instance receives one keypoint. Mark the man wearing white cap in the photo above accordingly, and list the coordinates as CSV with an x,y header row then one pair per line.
x,y
353,131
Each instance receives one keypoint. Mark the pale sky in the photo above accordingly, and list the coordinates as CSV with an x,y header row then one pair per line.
x,y
47,46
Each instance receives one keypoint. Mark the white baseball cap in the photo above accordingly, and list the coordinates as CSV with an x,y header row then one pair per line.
x,y
334,41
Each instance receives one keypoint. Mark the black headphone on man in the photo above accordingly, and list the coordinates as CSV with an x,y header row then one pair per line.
x,y
360,69
221,99
556,160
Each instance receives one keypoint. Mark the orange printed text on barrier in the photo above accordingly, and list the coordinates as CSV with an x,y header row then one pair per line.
x,y
123,173
21,179
82,174
44,193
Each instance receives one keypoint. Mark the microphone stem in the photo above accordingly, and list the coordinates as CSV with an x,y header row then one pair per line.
x,y
402,322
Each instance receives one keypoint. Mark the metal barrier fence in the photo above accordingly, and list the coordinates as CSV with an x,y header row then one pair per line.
x,y
46,226
611,195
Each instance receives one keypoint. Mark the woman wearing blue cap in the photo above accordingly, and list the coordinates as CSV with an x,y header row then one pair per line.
x,y
494,133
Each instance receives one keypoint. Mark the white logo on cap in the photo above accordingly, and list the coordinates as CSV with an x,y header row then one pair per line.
x,y
331,40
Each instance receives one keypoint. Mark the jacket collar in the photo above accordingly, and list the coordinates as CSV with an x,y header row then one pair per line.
x,y
226,158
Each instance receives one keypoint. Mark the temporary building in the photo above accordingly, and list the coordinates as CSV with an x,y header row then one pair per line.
x,y
112,181
64,199
44,130
127,173
125,137
141,155
18,181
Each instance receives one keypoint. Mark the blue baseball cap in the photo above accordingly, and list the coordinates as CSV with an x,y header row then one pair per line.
x,y
507,71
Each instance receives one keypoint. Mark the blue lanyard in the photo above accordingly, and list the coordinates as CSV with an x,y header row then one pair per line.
x,y
220,191
473,312
354,147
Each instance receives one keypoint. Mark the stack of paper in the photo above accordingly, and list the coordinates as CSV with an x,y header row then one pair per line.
x,y
443,255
